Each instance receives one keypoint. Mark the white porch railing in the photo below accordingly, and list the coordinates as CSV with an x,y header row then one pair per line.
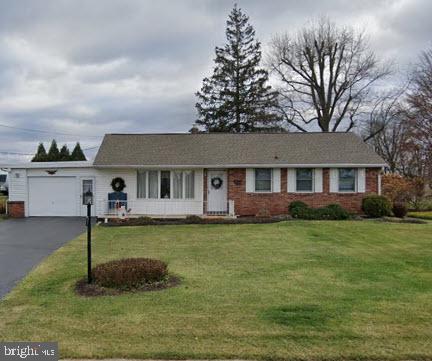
x,y
160,208
223,209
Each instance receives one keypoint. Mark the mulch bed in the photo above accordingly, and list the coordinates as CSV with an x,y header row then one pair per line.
x,y
402,220
82,288
114,222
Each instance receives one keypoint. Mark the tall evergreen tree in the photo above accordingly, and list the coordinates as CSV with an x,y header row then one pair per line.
x,y
236,98
53,152
41,154
64,153
77,153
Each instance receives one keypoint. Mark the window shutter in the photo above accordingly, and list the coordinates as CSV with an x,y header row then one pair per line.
x,y
334,180
379,183
361,180
250,180
276,180
318,180
291,180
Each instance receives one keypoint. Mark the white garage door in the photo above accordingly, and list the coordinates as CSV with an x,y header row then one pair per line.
x,y
53,196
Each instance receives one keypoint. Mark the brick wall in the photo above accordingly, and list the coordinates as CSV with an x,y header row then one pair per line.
x,y
250,204
16,209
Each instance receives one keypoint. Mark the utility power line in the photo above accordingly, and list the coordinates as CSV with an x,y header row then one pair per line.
x,y
48,131
16,153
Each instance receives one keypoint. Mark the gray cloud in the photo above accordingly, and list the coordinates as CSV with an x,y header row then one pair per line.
x,y
92,67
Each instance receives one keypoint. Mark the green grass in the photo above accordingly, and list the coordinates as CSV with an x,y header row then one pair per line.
x,y
421,215
291,290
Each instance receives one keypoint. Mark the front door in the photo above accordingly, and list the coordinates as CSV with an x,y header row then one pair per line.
x,y
87,185
217,192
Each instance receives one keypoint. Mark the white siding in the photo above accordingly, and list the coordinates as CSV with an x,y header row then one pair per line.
x,y
318,180
291,180
276,177
103,178
77,174
17,181
148,206
250,180
168,206
361,180
334,180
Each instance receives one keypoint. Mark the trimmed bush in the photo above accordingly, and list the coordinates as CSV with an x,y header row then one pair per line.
x,y
303,213
376,206
130,273
336,211
400,210
331,212
296,205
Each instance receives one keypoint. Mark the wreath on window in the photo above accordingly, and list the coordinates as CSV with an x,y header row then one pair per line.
x,y
118,184
216,182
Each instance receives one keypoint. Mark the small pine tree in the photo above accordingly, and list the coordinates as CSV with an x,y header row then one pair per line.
x,y
237,98
41,154
65,154
53,152
77,153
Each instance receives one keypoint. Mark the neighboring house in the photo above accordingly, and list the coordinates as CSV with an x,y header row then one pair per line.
x,y
202,174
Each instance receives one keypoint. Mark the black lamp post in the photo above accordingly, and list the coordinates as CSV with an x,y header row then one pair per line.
x,y
88,199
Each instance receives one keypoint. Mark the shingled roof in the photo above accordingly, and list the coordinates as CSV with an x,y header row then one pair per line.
x,y
230,150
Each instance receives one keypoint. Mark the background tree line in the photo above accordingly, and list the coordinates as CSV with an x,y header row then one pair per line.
x,y
56,155
325,77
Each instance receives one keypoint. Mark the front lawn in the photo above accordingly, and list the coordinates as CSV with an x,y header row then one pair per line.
x,y
291,290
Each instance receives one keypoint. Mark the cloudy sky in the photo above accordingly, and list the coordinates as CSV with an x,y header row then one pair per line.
x,y
78,69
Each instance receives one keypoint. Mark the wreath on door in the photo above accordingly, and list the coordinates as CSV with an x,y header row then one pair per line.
x,y
216,182
118,184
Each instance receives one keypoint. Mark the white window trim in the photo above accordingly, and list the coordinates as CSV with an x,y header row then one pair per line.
x,y
313,182
355,182
171,198
271,181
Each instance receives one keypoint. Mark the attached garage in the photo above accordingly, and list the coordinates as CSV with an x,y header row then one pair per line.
x,y
52,196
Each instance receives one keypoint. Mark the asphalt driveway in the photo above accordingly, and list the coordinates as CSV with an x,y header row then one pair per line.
x,y
25,242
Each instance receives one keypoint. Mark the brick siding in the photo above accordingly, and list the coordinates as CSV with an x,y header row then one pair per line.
x,y
251,204
16,209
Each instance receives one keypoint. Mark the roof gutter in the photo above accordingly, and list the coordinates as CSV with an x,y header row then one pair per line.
x,y
218,166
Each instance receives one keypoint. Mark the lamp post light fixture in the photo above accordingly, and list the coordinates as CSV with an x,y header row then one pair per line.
x,y
88,198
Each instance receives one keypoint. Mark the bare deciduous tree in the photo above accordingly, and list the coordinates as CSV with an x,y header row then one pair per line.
x,y
388,109
390,129
420,115
326,75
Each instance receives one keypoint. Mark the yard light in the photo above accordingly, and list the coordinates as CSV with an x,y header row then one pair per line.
x,y
88,221
88,197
